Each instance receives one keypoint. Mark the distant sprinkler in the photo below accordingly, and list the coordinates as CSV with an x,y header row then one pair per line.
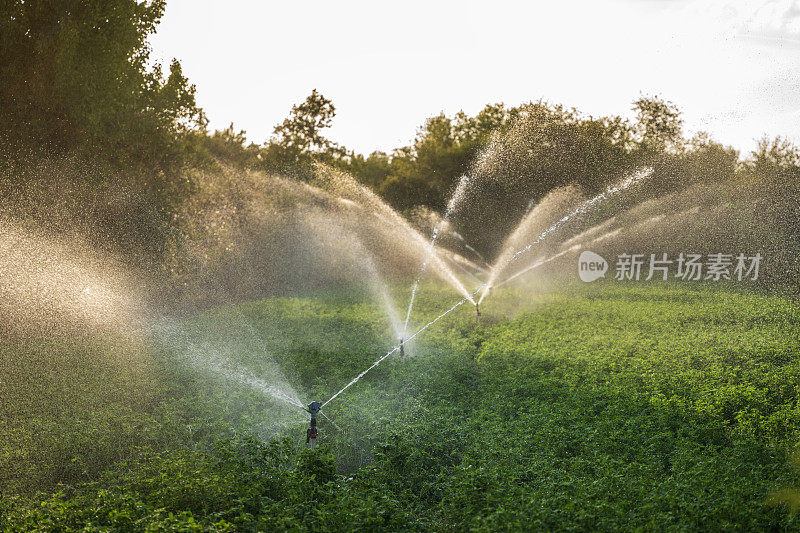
x,y
311,433
402,348
478,312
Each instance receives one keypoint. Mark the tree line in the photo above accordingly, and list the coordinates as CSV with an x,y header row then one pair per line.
x,y
76,81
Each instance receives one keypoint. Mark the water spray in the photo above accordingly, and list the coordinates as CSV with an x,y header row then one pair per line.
x,y
468,298
451,205
584,207
311,434
486,286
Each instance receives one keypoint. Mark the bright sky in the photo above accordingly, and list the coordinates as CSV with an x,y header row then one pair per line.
x,y
730,66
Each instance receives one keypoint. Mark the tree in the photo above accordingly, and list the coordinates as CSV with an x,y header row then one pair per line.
x,y
298,139
773,170
373,170
87,122
75,74
706,160
426,172
231,146
300,132
405,191
480,127
775,158
658,124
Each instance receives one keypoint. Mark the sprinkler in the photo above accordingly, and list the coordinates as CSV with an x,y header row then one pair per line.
x,y
311,434
478,311
402,348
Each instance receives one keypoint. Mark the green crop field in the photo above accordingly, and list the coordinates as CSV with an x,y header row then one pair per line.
x,y
600,407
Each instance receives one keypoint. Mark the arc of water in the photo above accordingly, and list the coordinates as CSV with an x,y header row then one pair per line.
x,y
390,218
329,420
451,205
380,289
537,264
476,252
245,377
466,271
396,348
582,208
634,178
422,269
579,243
195,355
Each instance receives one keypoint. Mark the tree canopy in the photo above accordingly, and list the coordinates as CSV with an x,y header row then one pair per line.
x,y
76,73
76,78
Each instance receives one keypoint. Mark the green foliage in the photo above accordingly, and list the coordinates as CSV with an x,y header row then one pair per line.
x,y
299,141
659,125
372,170
717,367
300,132
660,407
75,75
88,127
539,148
231,147
774,169
86,119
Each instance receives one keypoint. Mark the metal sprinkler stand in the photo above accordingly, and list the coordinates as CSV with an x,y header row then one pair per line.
x,y
478,313
311,434
402,348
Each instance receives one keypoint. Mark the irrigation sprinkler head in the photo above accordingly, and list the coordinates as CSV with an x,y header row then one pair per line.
x,y
477,310
314,408
311,433
402,348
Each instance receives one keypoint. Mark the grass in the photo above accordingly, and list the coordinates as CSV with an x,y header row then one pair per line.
x,y
598,407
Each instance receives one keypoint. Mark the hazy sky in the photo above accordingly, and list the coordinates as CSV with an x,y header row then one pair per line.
x,y
731,66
